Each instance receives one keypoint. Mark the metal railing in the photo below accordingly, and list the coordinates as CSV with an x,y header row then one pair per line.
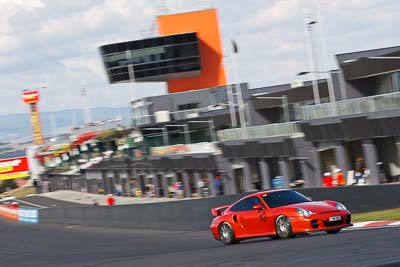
x,y
143,120
263,131
180,115
194,113
352,106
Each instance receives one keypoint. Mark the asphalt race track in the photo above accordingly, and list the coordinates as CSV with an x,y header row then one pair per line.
x,y
60,245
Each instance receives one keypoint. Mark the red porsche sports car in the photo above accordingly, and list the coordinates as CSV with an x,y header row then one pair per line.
x,y
277,214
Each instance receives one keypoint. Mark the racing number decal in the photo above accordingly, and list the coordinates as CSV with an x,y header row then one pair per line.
x,y
263,217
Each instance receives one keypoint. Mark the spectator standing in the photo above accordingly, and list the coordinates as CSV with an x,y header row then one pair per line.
x,y
359,170
339,177
180,190
327,181
218,185
110,200
200,186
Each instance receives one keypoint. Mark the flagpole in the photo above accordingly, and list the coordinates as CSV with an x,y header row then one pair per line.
x,y
231,101
239,95
229,92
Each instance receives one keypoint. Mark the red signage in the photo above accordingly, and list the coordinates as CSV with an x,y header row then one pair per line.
x,y
30,97
13,168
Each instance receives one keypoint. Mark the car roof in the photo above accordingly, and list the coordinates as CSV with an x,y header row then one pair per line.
x,y
260,193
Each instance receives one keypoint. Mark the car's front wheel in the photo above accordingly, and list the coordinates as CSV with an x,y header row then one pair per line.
x,y
226,234
333,231
283,227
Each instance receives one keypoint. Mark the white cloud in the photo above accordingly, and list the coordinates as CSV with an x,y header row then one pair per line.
x,y
55,42
272,14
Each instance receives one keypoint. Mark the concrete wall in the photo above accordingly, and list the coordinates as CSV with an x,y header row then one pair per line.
x,y
195,214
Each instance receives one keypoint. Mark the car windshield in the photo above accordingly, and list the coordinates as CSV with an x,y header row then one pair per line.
x,y
282,198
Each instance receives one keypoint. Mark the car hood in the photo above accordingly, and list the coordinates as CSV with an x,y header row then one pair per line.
x,y
315,206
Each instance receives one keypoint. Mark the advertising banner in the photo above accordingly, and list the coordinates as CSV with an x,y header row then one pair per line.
x,y
166,150
30,97
184,149
28,215
13,168
9,212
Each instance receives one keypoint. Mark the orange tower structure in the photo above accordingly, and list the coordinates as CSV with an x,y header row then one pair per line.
x,y
32,99
205,24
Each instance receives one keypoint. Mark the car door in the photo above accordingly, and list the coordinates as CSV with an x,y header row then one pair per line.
x,y
253,220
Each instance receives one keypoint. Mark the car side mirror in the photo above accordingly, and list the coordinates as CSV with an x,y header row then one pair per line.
x,y
310,198
258,207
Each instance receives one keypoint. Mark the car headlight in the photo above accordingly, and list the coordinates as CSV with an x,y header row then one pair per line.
x,y
305,213
340,206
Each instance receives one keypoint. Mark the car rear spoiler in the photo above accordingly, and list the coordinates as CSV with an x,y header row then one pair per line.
x,y
218,210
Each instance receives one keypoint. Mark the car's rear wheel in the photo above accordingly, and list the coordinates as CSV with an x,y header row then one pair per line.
x,y
283,227
333,231
226,234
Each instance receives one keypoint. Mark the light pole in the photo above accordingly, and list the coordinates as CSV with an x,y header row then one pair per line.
x,y
285,104
131,73
231,102
238,87
308,29
84,94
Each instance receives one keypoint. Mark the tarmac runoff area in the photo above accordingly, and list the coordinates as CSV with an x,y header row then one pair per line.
x,y
65,198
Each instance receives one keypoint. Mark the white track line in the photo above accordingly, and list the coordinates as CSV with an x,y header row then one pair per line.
x,y
362,224
72,226
369,228
31,204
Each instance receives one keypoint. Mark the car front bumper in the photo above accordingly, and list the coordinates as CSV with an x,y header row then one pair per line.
x,y
321,222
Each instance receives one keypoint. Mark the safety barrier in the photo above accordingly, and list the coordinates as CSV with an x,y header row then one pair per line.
x,y
28,215
195,214
9,212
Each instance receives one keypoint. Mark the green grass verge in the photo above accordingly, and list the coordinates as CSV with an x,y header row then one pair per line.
x,y
392,214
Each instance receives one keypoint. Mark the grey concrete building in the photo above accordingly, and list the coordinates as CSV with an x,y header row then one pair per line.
x,y
191,137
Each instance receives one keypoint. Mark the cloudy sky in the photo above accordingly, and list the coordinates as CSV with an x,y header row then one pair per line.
x,y
54,43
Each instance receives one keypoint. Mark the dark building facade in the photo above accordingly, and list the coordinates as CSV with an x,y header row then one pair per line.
x,y
154,59
190,137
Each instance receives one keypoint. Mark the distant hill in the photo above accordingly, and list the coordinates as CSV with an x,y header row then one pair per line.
x,y
13,154
16,128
